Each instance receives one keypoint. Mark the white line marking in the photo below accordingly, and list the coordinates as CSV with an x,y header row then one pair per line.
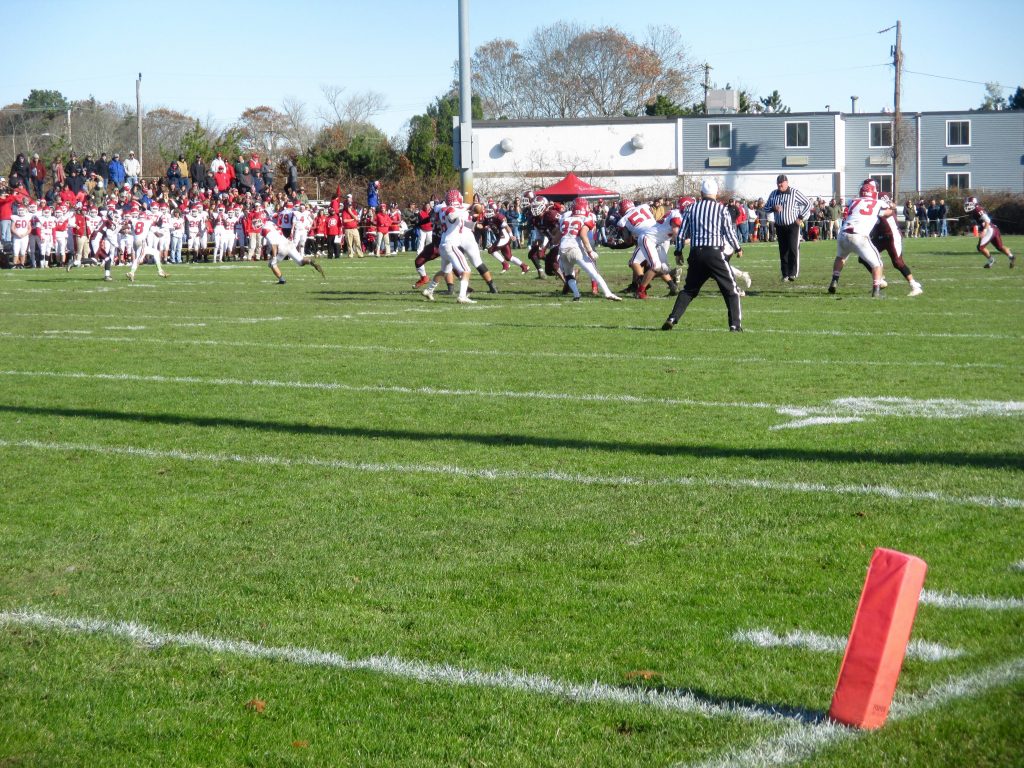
x,y
1018,566
981,602
431,349
62,331
812,641
849,409
444,674
433,319
800,742
124,328
855,408
741,484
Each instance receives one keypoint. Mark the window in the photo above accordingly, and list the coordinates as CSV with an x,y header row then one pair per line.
x,y
959,181
798,135
958,133
880,135
719,135
884,182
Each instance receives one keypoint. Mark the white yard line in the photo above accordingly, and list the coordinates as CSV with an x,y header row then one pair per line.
x,y
392,666
800,742
978,602
740,484
839,411
812,641
432,349
1018,566
429,318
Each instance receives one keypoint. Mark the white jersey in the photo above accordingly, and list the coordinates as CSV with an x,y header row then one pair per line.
x,y
639,221
862,215
176,224
271,233
456,221
284,219
663,231
571,226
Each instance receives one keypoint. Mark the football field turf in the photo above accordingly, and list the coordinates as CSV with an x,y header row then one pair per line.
x,y
336,524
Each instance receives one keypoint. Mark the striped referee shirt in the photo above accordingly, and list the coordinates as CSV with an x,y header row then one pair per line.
x,y
794,205
707,224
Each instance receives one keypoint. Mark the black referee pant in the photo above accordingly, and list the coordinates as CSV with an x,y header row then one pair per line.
x,y
705,262
789,249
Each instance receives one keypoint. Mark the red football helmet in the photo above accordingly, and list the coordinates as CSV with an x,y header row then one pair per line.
x,y
625,205
970,204
869,189
580,206
557,207
684,202
453,197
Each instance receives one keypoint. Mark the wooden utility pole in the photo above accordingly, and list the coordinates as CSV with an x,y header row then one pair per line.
x,y
707,85
897,119
138,117
897,116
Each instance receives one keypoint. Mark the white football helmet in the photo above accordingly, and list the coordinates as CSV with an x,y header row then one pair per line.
x,y
970,204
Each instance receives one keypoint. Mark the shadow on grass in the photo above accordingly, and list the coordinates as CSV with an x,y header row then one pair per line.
x,y
692,450
784,711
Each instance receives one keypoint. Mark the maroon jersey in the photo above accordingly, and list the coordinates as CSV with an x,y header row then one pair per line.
x,y
980,217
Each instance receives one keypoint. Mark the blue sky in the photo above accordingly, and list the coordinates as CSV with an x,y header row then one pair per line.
x,y
216,58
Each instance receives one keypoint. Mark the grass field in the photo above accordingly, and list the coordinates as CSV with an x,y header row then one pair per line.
x,y
334,524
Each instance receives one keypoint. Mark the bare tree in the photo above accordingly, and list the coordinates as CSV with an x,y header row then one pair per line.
x,y
358,108
567,70
162,132
499,75
295,130
261,130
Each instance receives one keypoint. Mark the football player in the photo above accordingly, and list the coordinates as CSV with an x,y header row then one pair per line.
x,y
886,236
643,231
574,249
455,243
989,233
855,236
494,221
279,244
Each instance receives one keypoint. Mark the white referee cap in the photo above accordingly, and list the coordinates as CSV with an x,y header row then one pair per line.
x,y
709,187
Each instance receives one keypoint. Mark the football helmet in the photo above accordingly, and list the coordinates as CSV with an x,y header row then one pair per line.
x,y
580,206
970,204
869,189
453,197
684,202
625,205
539,205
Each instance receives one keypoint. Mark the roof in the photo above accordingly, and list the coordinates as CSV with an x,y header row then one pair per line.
x,y
571,187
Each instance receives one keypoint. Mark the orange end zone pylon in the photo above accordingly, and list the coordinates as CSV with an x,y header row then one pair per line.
x,y
878,639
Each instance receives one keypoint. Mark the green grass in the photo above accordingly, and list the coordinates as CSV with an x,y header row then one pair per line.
x,y
577,581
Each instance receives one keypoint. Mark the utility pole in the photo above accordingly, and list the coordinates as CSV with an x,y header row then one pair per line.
x,y
465,105
897,117
138,117
707,85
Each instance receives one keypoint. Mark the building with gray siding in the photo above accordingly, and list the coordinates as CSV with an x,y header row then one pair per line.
x,y
825,154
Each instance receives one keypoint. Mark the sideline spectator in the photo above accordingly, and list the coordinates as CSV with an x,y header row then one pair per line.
x,y
132,169
116,169
20,175
37,173
943,219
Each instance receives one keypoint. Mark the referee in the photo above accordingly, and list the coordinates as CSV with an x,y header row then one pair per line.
x,y
708,226
791,207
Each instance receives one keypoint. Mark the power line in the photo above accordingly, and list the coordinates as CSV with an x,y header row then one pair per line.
x,y
959,79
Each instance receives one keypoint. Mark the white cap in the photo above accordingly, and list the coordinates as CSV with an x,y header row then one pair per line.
x,y
709,187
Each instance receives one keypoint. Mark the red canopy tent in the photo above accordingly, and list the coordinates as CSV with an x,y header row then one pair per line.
x,y
571,187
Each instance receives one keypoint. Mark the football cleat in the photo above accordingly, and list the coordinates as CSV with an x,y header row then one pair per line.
x,y
876,292
916,290
641,293
505,266
989,263
131,277
593,288
833,285
525,268
669,324
465,300
428,293
746,279
1013,260
421,282
613,297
